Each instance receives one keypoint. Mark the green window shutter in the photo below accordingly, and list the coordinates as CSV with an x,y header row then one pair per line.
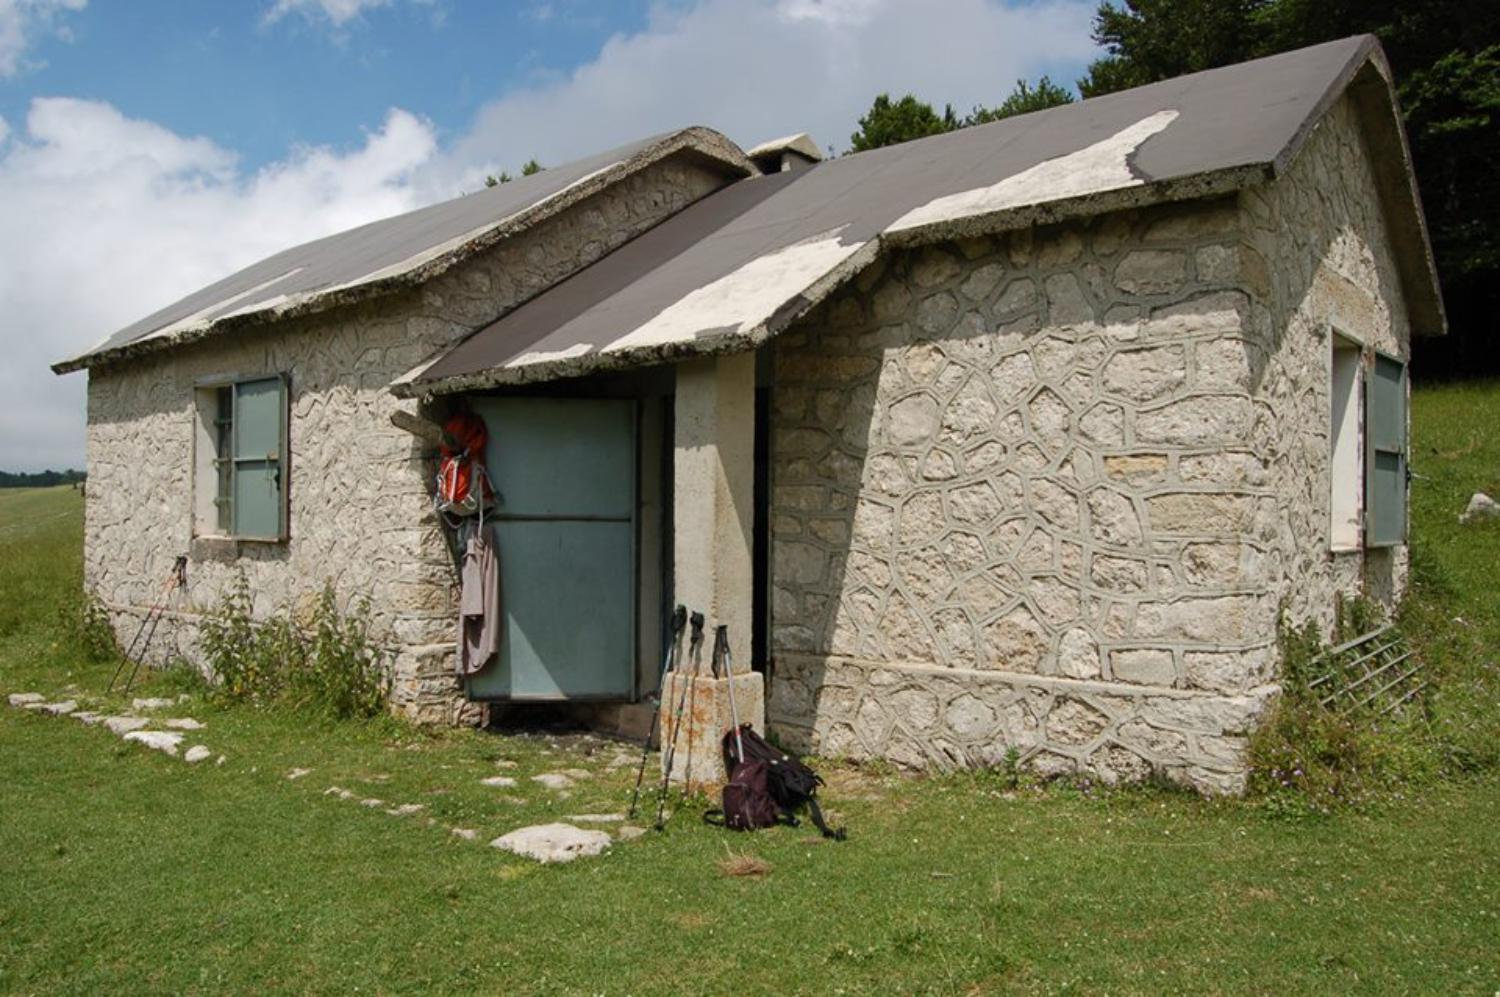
x,y
1385,456
259,499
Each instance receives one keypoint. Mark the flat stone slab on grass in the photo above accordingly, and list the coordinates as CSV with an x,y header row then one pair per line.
x,y
161,740
151,703
499,781
59,709
1481,506
196,754
124,725
596,818
88,717
296,774
468,834
553,780
549,843
406,809
23,698
182,723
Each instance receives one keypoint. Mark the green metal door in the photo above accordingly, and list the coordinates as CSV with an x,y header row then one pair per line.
x,y
564,524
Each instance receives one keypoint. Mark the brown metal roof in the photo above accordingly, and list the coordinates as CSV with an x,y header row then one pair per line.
x,y
744,262
402,250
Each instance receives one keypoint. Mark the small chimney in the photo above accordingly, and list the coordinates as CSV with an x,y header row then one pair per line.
x,y
791,152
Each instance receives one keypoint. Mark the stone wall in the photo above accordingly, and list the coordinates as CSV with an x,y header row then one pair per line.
x,y
1047,491
1322,260
360,515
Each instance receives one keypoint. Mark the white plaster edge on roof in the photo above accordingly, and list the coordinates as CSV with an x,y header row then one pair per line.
x,y
201,318
550,356
206,317
743,298
193,327
798,142
1094,169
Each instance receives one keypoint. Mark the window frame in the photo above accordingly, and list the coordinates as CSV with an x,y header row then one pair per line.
x,y
216,489
1340,341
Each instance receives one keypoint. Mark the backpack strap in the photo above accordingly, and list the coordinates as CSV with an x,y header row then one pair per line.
x,y
816,813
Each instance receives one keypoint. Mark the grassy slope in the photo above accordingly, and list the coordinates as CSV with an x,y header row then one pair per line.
x,y
131,870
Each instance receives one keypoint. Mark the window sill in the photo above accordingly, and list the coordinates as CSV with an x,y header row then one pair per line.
x,y
220,548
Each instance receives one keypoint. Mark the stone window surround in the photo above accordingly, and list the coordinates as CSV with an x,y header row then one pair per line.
x,y
1341,477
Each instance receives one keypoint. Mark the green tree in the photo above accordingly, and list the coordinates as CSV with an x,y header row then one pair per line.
x,y
495,181
531,166
890,122
1150,40
1024,99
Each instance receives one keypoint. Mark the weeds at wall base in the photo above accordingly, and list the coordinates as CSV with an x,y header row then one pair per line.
x,y
323,662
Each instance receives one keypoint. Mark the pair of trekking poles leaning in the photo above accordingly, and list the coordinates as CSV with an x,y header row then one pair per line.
x,y
766,786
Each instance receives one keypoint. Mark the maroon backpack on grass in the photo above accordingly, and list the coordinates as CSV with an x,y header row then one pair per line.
x,y
766,787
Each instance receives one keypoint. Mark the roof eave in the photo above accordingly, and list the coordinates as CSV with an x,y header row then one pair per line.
x,y
703,143
1210,184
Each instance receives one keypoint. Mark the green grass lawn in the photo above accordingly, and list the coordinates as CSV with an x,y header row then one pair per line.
x,y
124,869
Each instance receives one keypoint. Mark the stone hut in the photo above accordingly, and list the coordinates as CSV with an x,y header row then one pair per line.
x,y
1021,437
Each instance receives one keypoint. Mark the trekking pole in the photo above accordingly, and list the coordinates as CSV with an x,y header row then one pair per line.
x,y
148,625
721,638
696,647
679,620
671,753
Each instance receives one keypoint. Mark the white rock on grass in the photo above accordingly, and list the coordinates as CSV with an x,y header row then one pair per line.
x,y
1481,506
406,809
340,792
372,803
182,723
124,725
159,739
23,698
196,754
296,774
59,709
150,703
463,832
578,773
596,818
499,781
550,843
88,717
553,780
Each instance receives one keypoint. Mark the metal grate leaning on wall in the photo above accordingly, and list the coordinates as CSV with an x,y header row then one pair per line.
x,y
1375,674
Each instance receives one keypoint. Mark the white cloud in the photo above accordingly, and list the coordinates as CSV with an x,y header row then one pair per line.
x,y
756,69
4,131
336,12
22,22
109,218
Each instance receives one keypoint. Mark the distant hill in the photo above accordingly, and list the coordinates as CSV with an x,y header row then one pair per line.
x,y
40,479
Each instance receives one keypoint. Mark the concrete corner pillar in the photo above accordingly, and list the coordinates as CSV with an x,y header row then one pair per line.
x,y
713,520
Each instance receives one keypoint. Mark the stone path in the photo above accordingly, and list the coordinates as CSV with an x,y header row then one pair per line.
x,y
547,843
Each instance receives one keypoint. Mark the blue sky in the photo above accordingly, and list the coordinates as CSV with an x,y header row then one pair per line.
x,y
260,86
148,147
